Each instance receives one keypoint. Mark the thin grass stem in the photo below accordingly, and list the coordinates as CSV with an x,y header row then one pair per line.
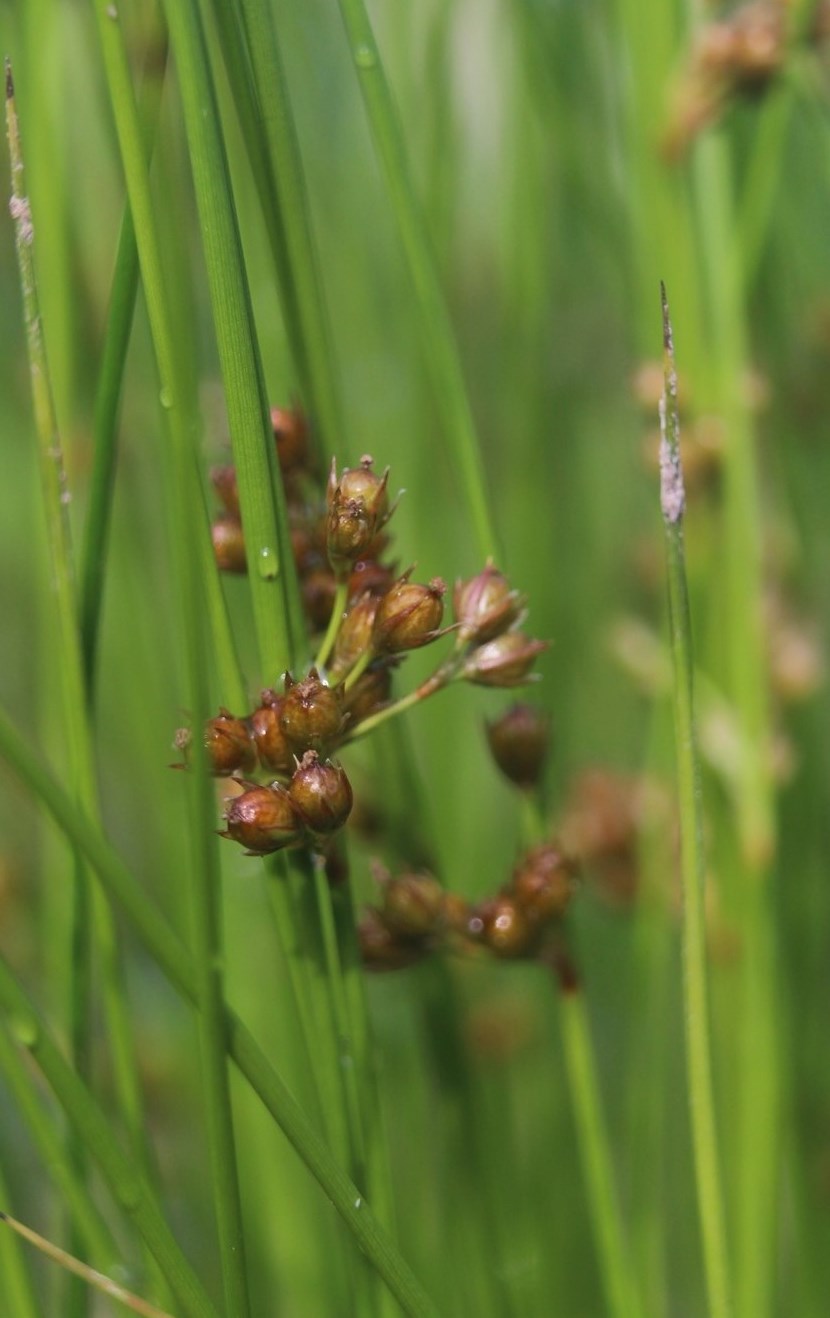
x,y
693,872
437,336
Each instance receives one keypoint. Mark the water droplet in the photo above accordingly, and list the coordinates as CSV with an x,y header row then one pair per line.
x,y
365,57
358,1203
268,564
166,398
25,1029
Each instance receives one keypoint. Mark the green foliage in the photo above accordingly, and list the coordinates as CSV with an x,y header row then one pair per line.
x,y
444,236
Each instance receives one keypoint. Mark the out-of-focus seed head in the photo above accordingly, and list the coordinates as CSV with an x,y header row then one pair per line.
x,y
358,508
355,635
318,588
370,576
505,928
370,693
229,545
263,819
223,480
229,745
311,714
543,883
381,949
413,904
291,433
409,615
272,748
485,606
519,742
322,793
504,662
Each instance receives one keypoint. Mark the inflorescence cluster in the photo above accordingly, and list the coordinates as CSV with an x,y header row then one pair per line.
x,y
366,617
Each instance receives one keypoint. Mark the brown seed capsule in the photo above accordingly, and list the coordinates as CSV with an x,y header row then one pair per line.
x,y
355,635
292,438
223,480
263,819
504,662
229,545
358,507
269,739
485,606
322,794
413,904
369,575
229,745
519,743
311,714
543,883
506,930
381,949
409,615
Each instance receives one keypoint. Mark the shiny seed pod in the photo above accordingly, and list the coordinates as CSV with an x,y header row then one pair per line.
x,y
381,949
321,793
413,904
358,507
506,930
229,745
504,662
355,635
409,615
543,883
519,742
311,714
263,819
485,606
223,480
229,545
272,748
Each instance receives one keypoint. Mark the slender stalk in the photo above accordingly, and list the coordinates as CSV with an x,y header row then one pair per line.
x,y
595,1152
15,1281
286,174
121,1174
695,980
96,1279
271,573
337,610
437,336
81,769
173,959
203,870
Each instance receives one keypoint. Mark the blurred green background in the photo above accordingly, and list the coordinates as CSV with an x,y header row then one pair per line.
x,y
536,133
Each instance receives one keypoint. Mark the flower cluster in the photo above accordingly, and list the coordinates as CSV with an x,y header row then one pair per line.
x,y
366,617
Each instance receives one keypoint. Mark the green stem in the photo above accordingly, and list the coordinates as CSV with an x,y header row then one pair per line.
x,y
168,952
15,1281
437,336
595,1152
337,610
695,979
121,1174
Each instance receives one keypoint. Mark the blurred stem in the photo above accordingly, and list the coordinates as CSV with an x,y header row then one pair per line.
x,y
170,955
276,120
15,1281
203,870
438,341
95,1279
80,768
695,978
120,1173
595,1153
